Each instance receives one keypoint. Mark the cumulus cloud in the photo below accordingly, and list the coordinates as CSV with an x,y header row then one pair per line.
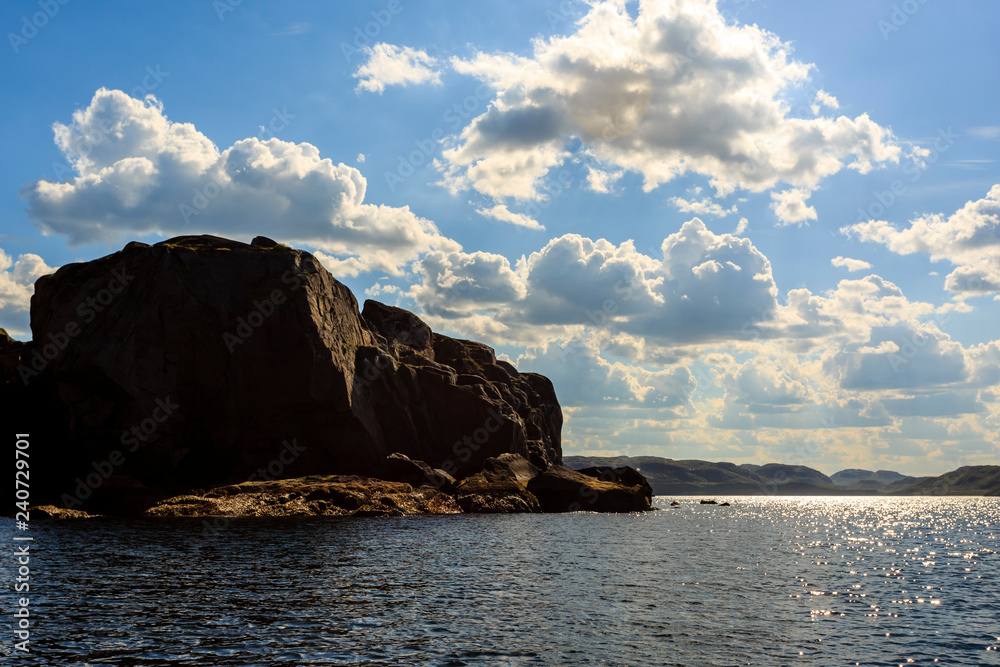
x,y
391,65
791,208
603,181
17,284
586,378
704,287
968,239
851,265
675,90
703,207
503,214
824,99
456,283
139,173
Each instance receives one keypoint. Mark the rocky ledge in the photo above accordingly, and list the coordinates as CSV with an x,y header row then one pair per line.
x,y
507,484
248,370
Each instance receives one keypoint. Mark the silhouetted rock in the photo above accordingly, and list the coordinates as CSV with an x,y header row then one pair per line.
x,y
560,489
201,361
400,468
709,502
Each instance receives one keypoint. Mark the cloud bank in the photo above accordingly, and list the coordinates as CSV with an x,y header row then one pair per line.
x,y
139,173
673,91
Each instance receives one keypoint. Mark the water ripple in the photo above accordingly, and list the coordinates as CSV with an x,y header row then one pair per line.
x,y
768,581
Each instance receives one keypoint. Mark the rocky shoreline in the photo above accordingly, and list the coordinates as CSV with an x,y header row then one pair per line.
x,y
203,376
507,485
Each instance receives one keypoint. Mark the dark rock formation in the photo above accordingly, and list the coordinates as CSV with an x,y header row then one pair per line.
x,y
560,489
309,496
499,488
400,468
621,474
201,361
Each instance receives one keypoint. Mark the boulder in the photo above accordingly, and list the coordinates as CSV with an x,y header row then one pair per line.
x,y
400,468
399,325
560,489
499,488
626,475
202,361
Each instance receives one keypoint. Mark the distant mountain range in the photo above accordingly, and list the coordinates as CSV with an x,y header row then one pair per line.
x,y
670,477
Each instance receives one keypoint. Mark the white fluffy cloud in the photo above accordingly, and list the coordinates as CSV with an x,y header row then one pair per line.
x,y
791,208
703,207
391,65
850,264
17,284
969,239
675,90
137,173
586,378
824,99
503,214
705,287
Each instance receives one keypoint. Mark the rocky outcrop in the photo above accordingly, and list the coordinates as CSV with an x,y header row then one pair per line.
x,y
623,475
401,468
560,489
53,513
201,361
499,488
309,496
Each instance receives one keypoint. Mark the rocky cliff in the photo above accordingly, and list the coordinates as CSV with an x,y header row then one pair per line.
x,y
201,361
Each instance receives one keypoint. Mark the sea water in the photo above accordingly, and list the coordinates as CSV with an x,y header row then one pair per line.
x,y
767,581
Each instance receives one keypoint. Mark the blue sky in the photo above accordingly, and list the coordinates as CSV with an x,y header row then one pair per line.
x,y
750,230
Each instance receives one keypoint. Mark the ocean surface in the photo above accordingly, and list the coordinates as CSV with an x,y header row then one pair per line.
x,y
767,581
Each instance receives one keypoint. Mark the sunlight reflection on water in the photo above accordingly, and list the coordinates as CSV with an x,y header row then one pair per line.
x,y
766,581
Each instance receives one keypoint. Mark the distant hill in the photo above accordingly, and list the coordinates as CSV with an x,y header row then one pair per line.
x,y
966,481
866,481
670,477
695,477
